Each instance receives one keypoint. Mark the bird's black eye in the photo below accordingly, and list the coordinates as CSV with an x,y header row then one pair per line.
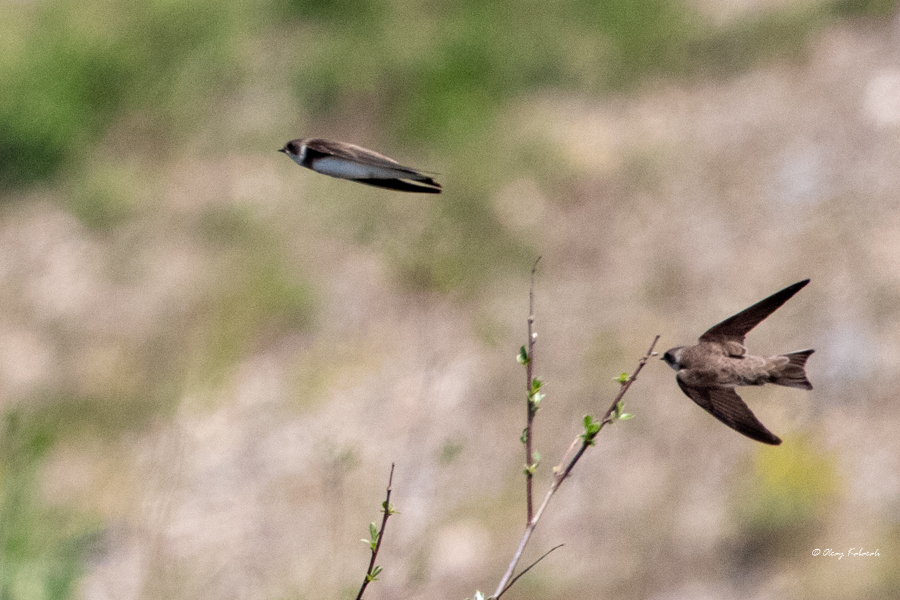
x,y
668,357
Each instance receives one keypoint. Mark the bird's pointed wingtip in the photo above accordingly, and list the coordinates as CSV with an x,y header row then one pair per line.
x,y
794,288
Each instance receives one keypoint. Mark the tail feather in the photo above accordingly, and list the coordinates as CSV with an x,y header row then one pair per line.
x,y
793,373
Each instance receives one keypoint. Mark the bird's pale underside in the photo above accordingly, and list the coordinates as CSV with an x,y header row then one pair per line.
x,y
348,161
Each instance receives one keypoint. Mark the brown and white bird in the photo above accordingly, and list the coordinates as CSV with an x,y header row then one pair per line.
x,y
709,371
347,161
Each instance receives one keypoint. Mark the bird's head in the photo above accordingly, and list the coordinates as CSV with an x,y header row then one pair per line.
x,y
673,357
295,150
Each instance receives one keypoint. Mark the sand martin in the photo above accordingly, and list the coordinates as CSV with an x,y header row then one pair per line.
x,y
346,161
709,371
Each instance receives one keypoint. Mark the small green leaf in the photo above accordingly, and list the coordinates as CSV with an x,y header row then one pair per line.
x,y
524,437
536,457
478,596
623,378
523,356
591,428
619,413
373,531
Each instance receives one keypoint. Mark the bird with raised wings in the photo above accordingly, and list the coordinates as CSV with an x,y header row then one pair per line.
x,y
709,371
348,161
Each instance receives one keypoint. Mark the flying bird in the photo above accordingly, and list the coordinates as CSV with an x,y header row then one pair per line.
x,y
709,371
347,161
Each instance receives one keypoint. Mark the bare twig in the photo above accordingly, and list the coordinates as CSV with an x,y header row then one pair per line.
x,y
526,569
531,405
562,471
627,383
375,541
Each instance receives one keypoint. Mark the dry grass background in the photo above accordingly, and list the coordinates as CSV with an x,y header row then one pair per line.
x,y
204,397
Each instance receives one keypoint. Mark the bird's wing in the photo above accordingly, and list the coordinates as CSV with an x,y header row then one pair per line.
x,y
736,327
725,405
403,186
357,154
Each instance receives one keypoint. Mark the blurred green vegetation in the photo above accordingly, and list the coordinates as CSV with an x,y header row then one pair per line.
x,y
783,504
68,70
428,75
428,71
794,486
431,75
42,549
259,293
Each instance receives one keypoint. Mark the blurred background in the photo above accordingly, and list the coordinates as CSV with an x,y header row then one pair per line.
x,y
210,357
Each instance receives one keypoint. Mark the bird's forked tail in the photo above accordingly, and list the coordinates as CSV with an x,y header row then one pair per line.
x,y
793,372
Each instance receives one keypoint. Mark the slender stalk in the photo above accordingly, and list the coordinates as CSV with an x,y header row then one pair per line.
x,y
387,510
526,569
562,471
606,418
531,407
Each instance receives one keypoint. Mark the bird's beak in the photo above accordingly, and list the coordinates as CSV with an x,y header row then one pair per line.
x,y
282,150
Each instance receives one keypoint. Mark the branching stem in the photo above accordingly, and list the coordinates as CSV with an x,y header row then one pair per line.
x,y
562,471
372,571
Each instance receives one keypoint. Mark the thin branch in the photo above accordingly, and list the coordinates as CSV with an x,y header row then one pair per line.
x,y
372,571
627,384
531,406
586,441
576,443
562,471
526,569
